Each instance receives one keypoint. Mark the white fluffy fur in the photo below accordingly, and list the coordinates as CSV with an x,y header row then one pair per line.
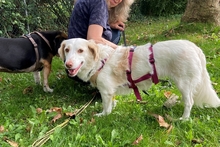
x,y
180,60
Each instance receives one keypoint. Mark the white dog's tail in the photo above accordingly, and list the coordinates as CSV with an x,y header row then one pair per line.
x,y
205,94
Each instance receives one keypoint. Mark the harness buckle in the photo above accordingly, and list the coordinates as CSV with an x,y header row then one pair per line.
x,y
128,72
152,61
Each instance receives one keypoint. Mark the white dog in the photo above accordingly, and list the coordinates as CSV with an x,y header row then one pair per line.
x,y
180,60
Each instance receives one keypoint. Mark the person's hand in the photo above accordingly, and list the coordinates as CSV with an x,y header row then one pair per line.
x,y
118,25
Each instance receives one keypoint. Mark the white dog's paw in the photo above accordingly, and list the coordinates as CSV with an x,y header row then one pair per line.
x,y
48,89
184,118
114,103
100,114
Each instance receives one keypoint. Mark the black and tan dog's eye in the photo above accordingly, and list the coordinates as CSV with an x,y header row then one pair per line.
x,y
80,50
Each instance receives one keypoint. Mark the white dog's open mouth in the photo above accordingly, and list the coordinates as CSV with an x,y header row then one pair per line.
x,y
73,72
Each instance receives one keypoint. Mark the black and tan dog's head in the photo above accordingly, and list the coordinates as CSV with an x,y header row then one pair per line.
x,y
55,38
78,53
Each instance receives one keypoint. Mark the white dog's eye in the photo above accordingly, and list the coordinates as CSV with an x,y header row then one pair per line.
x,y
67,50
80,50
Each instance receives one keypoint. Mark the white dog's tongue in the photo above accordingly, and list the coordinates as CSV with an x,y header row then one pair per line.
x,y
74,72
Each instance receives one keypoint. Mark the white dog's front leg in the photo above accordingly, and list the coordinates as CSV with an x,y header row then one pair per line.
x,y
37,78
107,103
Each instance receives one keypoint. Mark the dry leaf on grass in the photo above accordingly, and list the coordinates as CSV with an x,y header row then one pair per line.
x,y
70,114
138,140
167,94
172,99
92,121
28,90
2,129
12,143
197,141
162,122
58,110
55,118
39,110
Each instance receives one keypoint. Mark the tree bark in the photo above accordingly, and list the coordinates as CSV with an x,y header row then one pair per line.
x,y
207,11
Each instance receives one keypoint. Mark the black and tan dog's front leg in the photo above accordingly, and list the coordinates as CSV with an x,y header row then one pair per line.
x,y
46,73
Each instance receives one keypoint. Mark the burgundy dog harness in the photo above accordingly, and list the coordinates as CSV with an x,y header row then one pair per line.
x,y
153,76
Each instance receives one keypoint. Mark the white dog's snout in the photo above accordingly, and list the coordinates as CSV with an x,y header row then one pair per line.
x,y
69,64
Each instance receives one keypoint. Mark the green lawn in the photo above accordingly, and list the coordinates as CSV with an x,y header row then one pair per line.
x,y
21,99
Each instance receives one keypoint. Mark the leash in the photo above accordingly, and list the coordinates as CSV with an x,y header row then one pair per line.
x,y
124,39
41,141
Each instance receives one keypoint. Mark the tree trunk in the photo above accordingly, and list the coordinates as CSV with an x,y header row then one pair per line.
x,y
207,11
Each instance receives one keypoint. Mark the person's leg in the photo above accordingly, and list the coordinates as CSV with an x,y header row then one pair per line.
x,y
116,35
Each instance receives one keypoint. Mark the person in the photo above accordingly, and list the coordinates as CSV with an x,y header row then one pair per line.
x,y
100,20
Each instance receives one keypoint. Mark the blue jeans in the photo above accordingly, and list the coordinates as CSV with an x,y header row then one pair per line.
x,y
116,35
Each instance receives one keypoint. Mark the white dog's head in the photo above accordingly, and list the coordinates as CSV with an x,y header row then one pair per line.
x,y
78,54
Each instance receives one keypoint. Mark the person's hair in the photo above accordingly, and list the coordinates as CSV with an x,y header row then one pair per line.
x,y
120,12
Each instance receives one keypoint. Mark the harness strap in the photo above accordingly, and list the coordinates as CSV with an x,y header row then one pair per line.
x,y
47,42
94,77
153,76
129,78
35,48
152,61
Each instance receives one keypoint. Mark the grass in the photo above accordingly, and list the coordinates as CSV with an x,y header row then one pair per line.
x,y
20,98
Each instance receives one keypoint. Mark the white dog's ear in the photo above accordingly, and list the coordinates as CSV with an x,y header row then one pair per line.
x,y
61,50
93,47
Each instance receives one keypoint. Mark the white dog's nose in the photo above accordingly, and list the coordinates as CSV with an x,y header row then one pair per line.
x,y
69,64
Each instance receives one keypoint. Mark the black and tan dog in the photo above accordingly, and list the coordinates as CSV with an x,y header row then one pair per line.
x,y
31,53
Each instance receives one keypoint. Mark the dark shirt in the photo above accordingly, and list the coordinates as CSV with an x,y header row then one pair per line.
x,y
85,13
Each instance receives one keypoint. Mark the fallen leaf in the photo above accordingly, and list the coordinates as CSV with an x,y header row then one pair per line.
x,y
171,101
196,141
28,90
12,143
92,121
69,114
39,110
137,141
72,113
56,109
167,94
58,116
2,129
161,120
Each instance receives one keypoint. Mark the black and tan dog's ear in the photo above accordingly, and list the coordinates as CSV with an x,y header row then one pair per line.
x,y
93,47
61,50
